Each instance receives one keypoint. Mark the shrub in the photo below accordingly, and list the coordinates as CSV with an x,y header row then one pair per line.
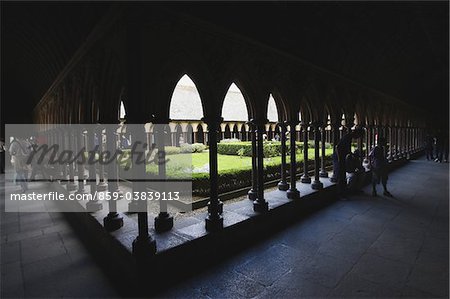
x,y
192,148
198,147
270,148
232,148
172,150
228,140
186,148
234,179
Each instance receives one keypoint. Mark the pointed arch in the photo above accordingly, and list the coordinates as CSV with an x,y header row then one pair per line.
x,y
122,110
235,106
272,110
185,101
167,75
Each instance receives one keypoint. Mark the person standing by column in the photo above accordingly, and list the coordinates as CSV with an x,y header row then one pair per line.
x,y
19,153
429,147
378,164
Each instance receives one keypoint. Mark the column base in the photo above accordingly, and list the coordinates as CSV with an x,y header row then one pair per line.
x,y
260,206
252,194
144,248
317,185
102,187
305,179
113,221
163,222
133,207
293,194
333,179
214,223
283,186
93,206
71,186
323,174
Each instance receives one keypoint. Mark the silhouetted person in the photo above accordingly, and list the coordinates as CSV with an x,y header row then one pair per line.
x,y
439,147
36,167
355,171
378,164
343,148
19,154
429,147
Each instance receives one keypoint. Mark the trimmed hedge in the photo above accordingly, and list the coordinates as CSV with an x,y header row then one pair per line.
x,y
172,150
192,148
235,179
271,148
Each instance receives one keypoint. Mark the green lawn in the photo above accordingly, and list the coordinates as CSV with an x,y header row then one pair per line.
x,y
198,162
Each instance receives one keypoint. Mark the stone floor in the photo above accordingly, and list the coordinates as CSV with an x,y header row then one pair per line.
x,y
362,247
42,257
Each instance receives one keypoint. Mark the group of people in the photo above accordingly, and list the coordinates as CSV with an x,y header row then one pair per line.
x,y
351,169
436,147
20,150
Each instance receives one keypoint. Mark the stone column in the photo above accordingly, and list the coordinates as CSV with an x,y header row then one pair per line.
x,y
407,142
335,135
113,220
293,193
390,157
93,205
260,205
214,220
416,140
283,185
400,142
164,221
253,191
80,147
323,173
413,146
360,144
367,139
143,245
317,184
61,137
396,143
102,185
305,177
71,186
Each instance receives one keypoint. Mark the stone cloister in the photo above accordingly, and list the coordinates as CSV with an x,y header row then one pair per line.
x,y
136,57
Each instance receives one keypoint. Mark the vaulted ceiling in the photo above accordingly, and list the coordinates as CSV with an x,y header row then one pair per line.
x,y
400,48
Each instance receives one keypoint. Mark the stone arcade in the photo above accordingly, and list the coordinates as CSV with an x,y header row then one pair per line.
x,y
125,72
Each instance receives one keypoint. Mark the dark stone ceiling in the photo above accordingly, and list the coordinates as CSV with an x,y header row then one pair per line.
x,y
400,48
